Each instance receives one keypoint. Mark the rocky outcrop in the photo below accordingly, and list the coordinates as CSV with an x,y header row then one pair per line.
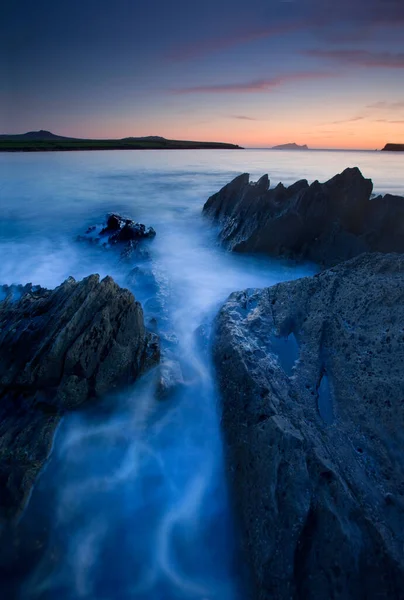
x,y
130,239
311,377
394,148
322,222
291,146
58,349
125,230
120,233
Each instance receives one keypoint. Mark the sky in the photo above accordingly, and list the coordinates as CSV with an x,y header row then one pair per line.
x,y
256,73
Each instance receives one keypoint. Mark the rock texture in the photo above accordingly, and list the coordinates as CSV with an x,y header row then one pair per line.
x,y
120,233
312,381
322,222
58,349
130,239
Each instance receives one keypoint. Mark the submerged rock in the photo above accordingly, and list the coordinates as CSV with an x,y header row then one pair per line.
x,y
123,233
322,222
170,377
58,349
142,278
311,377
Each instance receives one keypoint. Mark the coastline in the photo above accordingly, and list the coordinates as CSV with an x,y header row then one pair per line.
x,y
73,146
32,150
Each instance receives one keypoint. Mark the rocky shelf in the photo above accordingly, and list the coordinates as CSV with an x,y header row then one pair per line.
x,y
311,378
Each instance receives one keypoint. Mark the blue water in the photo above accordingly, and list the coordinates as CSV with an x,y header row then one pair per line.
x,y
133,502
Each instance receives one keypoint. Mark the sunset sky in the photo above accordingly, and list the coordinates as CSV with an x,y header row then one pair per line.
x,y
257,73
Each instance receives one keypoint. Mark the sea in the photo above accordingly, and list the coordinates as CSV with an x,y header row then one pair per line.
x,y
133,502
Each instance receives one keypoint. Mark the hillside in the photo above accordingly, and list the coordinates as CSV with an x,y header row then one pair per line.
x,y
393,148
291,146
37,141
37,136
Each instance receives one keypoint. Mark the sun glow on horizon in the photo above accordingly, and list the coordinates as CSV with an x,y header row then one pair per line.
x,y
252,76
355,134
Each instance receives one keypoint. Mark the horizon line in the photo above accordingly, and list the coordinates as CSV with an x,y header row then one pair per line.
x,y
242,146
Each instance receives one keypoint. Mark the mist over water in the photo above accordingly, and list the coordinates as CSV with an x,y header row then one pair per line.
x,y
133,502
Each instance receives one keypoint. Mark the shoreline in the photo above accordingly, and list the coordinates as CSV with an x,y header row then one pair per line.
x,y
10,145
17,150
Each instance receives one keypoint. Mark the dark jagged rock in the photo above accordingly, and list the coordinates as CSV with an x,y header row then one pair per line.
x,y
12,293
58,349
311,376
125,230
122,233
114,223
325,223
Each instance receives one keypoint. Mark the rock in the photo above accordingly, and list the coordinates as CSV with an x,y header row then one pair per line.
x,y
393,148
58,349
132,232
325,223
311,377
168,339
119,229
170,378
291,146
141,277
14,292
125,234
114,223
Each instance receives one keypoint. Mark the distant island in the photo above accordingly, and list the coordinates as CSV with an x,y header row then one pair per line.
x,y
393,148
36,141
292,146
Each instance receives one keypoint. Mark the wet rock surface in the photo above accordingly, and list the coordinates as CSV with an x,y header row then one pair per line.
x,y
58,349
323,222
130,240
170,377
314,437
126,235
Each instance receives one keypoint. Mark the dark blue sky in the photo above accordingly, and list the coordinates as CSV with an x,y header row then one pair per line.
x,y
256,73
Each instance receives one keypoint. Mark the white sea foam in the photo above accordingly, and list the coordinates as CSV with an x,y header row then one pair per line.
x,y
135,491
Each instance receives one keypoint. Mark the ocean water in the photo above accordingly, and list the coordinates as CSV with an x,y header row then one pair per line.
x,y
133,503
